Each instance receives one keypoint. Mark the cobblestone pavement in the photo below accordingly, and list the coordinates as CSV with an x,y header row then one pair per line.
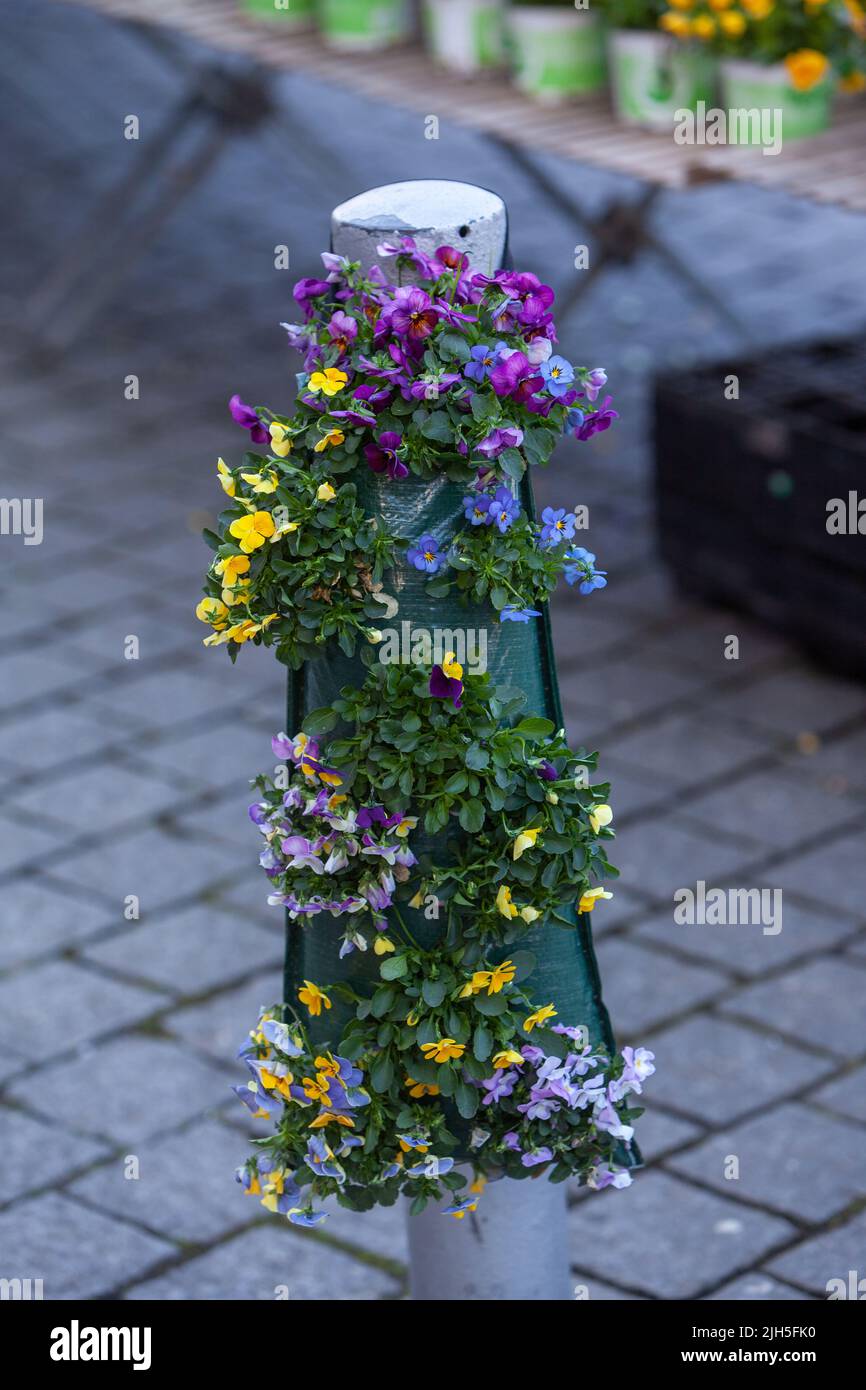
x,y
126,777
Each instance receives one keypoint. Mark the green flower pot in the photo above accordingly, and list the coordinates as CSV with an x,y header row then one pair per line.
x,y
363,24
652,77
557,52
292,14
755,87
465,35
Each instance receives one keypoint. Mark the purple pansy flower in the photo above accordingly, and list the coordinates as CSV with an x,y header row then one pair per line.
x,y
246,417
504,509
476,509
558,525
510,614
492,445
482,360
581,565
595,423
308,289
536,1156
445,687
593,382
382,456
412,314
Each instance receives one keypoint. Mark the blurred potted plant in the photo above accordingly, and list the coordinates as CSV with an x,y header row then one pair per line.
x,y
776,55
465,35
363,24
653,75
292,14
557,48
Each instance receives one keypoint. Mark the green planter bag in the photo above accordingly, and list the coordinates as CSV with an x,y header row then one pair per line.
x,y
363,24
465,35
557,51
755,87
653,77
292,14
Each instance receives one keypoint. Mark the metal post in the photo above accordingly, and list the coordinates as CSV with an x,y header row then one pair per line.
x,y
515,1245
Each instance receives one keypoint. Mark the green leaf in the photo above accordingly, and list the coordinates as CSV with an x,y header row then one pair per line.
x,y
482,1042
457,782
534,727
433,992
437,426
499,597
477,758
491,1005
394,968
524,963
382,1073
320,721
471,816
467,1099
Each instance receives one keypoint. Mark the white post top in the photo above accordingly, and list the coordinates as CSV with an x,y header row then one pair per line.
x,y
436,212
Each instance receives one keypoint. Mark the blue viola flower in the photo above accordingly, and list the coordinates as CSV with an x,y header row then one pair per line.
x,y
476,509
504,509
580,565
558,525
482,360
306,1216
425,555
558,375
510,614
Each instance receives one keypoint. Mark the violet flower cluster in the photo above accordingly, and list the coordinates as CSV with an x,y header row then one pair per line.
x,y
552,1105
321,852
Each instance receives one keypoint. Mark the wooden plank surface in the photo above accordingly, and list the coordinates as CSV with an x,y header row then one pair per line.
x,y
828,168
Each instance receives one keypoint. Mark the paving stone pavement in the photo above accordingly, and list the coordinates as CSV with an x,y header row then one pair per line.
x,y
126,779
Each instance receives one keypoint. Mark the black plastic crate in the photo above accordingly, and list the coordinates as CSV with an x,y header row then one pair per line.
x,y
742,489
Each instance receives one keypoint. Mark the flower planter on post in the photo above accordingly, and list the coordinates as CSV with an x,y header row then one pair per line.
x,y
436,843
767,87
356,25
291,14
653,76
465,35
557,51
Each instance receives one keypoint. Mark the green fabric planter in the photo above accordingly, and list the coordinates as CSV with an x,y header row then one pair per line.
x,y
518,654
298,14
653,77
465,35
756,87
363,24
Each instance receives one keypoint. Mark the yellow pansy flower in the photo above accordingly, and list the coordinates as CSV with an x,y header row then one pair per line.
x,y
599,817
530,914
417,1089
459,1215
478,1185
252,531
674,23
325,493
758,9
281,440
501,975
231,568
406,824
314,998
733,24
213,611
525,840
280,1084
539,1017
451,667
382,945
326,1066
504,905
703,26
412,1018
591,897
852,82
329,382
805,68
227,482
261,482
507,1058
682,4
443,1050
237,594
328,1117
332,437
720,4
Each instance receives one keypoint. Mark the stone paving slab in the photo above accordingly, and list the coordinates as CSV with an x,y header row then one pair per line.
x,y
103,794
22,845
51,738
834,874
828,1256
161,870
36,1155
644,987
269,1262
218,757
791,1160
792,702
658,857
136,1087
746,948
819,1003
76,1252
756,1288
190,952
632,1239
58,1005
775,813
716,1071
847,1096
158,1198
219,1026
35,920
